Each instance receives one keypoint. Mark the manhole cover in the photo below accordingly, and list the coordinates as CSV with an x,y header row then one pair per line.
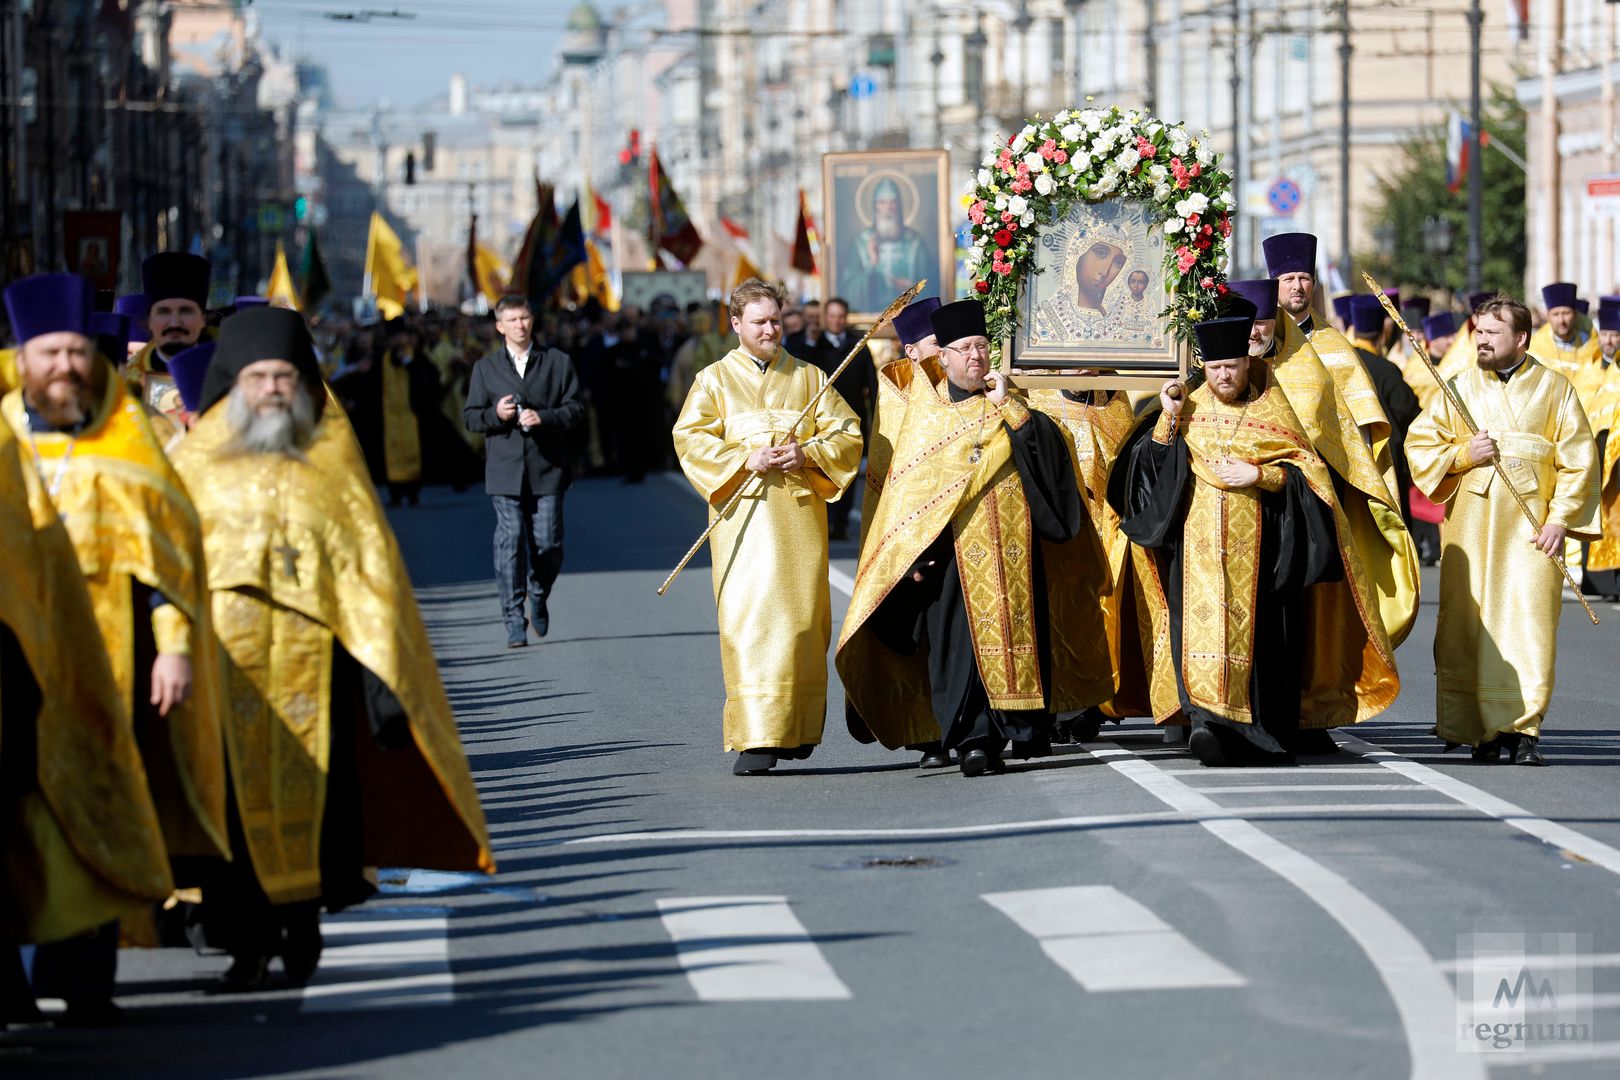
x,y
892,862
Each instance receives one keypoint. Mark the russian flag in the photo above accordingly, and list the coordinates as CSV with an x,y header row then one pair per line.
x,y
1459,141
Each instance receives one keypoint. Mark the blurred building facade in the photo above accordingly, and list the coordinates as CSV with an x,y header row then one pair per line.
x,y
174,112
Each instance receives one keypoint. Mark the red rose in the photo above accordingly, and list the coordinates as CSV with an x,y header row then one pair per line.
x,y
1207,283
982,286
1221,290
1003,237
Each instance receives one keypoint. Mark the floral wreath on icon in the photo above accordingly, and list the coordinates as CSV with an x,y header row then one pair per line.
x,y
1093,155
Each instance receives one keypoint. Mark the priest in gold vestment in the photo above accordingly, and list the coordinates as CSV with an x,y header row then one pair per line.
x,y
80,843
976,612
174,285
770,552
1564,346
1274,621
1495,648
134,530
342,750
1601,569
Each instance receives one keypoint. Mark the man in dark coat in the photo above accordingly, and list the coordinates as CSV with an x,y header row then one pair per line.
x,y
525,402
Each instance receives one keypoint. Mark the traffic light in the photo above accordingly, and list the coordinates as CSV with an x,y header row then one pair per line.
x,y
301,208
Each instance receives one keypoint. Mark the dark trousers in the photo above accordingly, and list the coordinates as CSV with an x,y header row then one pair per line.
x,y
528,551
80,968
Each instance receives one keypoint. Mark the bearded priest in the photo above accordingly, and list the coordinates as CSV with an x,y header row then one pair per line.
x,y
342,750
976,611
737,429
1270,603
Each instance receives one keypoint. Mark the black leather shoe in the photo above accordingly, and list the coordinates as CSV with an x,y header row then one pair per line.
x,y
1206,747
541,618
301,951
753,763
90,1013
1528,752
247,972
1487,753
975,763
1315,741
935,759
1176,734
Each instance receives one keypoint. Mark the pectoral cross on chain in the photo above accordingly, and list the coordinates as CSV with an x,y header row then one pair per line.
x,y
289,559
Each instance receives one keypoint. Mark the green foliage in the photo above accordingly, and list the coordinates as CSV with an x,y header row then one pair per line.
x,y
1417,190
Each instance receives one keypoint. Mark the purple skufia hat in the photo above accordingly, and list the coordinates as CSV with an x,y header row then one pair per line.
x,y
1610,301
1415,310
135,306
1290,253
245,302
1558,294
189,368
1223,339
1608,318
113,330
1394,297
1475,299
1367,315
1261,292
913,323
50,304
1438,326
1342,307
1582,307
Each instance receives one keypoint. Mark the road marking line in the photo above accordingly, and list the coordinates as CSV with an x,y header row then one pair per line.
x,y
1548,832
373,962
748,948
1094,821
1224,774
1422,995
1232,789
1107,941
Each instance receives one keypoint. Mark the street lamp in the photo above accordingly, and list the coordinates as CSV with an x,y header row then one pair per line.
x,y
1437,236
937,59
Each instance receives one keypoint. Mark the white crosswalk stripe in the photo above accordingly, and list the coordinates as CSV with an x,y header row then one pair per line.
x,y
748,948
382,960
1107,941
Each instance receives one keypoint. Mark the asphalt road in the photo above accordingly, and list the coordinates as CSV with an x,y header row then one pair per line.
x,y
1113,910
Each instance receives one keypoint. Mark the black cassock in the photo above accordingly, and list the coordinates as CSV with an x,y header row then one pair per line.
x,y
1150,488
932,613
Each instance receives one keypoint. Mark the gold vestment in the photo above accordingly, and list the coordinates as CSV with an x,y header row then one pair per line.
x,y
952,468
132,520
402,436
1581,365
1349,664
301,559
770,553
84,846
1495,648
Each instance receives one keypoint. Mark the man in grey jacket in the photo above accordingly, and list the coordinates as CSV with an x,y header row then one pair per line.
x,y
524,400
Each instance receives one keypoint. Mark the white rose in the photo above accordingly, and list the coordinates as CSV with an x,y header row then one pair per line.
x,y
1044,183
1199,203
1027,220
1081,161
1128,159
1174,225
1179,145
1206,156
984,178
1158,173
1018,204
1105,186
1001,201
1020,142
1161,192
975,256
1092,120
1070,133
1226,200
1153,129
1034,162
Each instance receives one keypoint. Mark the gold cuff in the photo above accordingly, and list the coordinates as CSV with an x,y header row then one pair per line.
x,y
1014,412
171,630
1272,478
1165,430
1462,462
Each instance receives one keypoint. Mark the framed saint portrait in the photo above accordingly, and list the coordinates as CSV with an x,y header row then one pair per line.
x,y
887,225
1095,300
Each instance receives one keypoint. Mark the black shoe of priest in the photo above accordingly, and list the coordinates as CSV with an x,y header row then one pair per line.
x,y
247,972
301,951
934,757
1487,753
753,763
1528,752
975,763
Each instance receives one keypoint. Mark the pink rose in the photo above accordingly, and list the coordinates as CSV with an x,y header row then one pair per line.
x,y
1003,268
976,213
1145,148
1060,156
1186,258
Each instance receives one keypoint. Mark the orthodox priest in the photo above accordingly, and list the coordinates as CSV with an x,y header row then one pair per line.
x,y
175,287
79,837
1250,543
739,428
976,612
341,747
1562,345
135,532
1601,569
1495,648
918,364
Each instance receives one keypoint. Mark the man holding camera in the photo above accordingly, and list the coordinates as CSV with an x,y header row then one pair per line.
x,y
524,400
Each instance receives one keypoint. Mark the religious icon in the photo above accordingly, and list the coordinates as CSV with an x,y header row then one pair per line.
x,y
1097,296
887,224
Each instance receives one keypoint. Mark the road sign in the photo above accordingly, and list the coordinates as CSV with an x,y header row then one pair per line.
x,y
272,217
862,86
1284,196
1603,194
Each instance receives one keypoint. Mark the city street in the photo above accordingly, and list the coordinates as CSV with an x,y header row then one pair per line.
x,y
1112,910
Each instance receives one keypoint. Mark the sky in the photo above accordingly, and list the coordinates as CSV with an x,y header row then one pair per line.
x,y
405,61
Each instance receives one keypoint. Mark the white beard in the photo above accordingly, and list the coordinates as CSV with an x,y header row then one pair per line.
x,y
286,432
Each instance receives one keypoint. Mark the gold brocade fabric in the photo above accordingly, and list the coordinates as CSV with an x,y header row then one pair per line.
x,y
1582,366
770,552
894,383
1349,672
301,556
131,518
952,468
1460,354
1605,553
8,371
1495,648
1349,375
1372,511
402,437
85,846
